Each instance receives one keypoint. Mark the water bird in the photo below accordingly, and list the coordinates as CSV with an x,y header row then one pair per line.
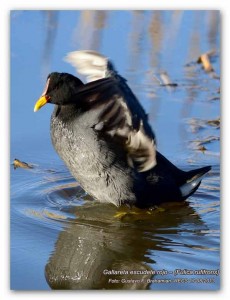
x,y
102,133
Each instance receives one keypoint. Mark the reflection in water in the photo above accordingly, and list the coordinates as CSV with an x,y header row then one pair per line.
x,y
213,22
174,28
89,30
136,42
194,49
97,241
51,24
155,36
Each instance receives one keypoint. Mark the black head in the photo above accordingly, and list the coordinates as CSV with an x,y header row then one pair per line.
x,y
60,89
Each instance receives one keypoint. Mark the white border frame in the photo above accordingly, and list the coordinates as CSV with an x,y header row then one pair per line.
x,y
5,8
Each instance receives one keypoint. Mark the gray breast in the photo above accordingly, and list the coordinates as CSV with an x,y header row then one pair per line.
x,y
98,165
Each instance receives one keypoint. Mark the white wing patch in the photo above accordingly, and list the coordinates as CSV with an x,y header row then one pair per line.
x,y
88,63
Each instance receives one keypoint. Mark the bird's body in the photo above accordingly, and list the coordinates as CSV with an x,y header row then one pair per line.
x,y
100,169
101,132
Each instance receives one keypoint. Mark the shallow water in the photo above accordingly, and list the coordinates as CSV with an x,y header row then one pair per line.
x,y
60,237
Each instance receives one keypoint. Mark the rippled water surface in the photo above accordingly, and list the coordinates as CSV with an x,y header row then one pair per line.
x,y
62,238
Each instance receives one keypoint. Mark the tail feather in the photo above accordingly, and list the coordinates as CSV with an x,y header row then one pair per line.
x,y
193,181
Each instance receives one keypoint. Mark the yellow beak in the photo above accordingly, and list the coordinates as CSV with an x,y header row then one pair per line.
x,y
41,102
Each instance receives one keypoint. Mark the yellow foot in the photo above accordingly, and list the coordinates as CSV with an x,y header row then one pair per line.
x,y
137,213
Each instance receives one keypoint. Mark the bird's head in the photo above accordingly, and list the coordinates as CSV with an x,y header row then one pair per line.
x,y
60,89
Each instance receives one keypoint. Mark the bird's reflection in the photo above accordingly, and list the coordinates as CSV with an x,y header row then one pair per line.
x,y
103,239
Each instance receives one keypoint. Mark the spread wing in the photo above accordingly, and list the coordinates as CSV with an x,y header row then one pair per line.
x,y
89,63
121,115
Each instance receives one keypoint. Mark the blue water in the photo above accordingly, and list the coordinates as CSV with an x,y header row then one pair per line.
x,y
60,238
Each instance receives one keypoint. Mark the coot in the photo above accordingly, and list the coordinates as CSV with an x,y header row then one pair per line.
x,y
101,132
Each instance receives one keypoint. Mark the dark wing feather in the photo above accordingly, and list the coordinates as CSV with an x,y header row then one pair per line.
x,y
121,115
